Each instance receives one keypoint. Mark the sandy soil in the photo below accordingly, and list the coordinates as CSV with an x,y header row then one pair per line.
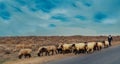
x,y
43,59
39,60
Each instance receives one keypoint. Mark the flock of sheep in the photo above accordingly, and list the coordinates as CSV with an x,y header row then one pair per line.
x,y
64,48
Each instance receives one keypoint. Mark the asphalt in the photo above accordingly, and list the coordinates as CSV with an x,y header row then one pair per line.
x,y
109,55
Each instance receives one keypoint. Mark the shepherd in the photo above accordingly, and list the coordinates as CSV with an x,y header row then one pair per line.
x,y
110,39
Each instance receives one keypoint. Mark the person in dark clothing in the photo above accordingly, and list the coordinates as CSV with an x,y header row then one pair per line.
x,y
110,39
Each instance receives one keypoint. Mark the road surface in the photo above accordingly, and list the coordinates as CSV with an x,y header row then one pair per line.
x,y
106,56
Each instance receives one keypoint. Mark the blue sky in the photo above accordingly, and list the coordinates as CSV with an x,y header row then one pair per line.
x,y
59,17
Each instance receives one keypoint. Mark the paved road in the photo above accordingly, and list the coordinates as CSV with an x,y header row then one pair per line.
x,y
106,56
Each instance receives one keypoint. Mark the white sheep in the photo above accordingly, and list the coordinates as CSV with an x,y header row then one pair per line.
x,y
100,45
90,46
66,48
106,44
47,50
79,47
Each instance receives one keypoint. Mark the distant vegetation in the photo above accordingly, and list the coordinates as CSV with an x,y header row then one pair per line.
x,y
46,40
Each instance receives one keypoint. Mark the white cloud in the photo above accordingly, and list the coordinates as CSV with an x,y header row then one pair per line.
x,y
59,11
110,21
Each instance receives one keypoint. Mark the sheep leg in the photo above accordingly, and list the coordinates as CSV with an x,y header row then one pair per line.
x,y
76,52
88,50
107,46
82,51
38,54
42,53
29,55
46,53
100,47
91,50
25,55
56,52
52,52
20,56
63,52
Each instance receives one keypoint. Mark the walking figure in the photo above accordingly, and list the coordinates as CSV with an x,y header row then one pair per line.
x,y
110,39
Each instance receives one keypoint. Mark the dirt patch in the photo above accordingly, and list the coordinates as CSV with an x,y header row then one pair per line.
x,y
39,60
114,43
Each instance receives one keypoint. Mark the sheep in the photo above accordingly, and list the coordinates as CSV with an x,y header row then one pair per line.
x,y
47,49
25,53
100,45
66,48
90,46
41,50
106,44
52,49
79,47
59,48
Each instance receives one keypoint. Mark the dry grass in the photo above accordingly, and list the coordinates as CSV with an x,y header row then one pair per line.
x,y
39,60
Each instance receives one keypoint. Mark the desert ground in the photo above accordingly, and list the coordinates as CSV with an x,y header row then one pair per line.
x,y
9,56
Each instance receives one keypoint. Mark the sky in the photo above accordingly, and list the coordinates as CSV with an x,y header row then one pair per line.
x,y
59,17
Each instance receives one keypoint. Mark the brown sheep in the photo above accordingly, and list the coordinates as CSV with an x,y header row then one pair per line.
x,y
25,53
47,50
